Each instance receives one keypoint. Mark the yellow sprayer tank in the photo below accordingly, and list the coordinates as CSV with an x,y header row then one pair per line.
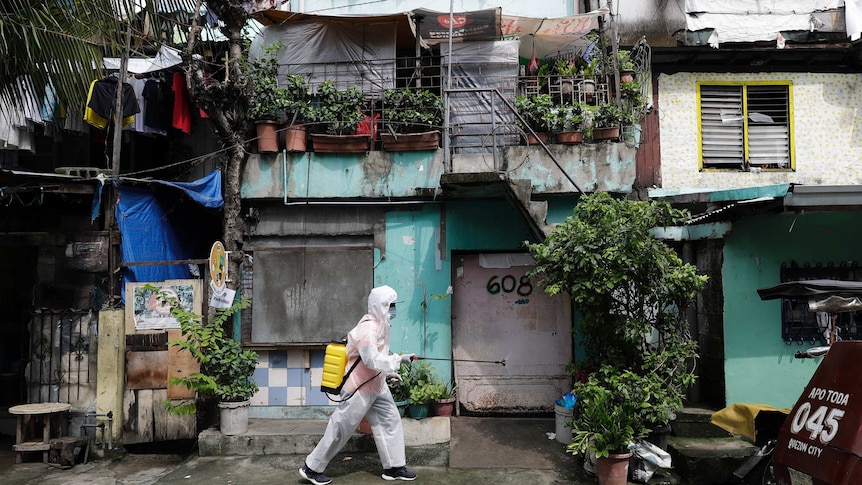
x,y
334,362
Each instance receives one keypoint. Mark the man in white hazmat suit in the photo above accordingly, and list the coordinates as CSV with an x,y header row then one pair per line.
x,y
369,342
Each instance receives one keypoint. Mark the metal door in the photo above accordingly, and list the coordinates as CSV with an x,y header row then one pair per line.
x,y
499,313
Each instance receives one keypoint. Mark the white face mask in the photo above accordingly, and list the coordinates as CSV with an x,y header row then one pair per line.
x,y
392,312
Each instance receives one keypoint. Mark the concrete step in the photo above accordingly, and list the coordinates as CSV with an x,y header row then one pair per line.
x,y
707,461
426,440
694,422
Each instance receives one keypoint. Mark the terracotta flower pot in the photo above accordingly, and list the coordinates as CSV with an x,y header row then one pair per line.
x,y
443,407
532,140
403,142
570,137
322,143
295,139
606,133
613,469
267,137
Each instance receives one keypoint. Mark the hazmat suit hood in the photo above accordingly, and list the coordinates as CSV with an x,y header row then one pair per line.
x,y
379,300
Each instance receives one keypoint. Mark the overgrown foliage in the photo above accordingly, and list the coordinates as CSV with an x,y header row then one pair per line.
x,y
337,112
225,368
632,291
412,111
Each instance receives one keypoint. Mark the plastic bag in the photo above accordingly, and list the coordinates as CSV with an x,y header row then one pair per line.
x,y
567,401
646,459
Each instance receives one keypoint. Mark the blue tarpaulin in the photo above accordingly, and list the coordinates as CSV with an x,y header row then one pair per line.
x,y
157,226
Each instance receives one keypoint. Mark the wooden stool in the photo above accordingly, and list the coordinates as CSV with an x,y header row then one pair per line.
x,y
63,450
37,425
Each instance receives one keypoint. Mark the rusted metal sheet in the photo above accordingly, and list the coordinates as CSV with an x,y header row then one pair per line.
x,y
147,370
499,313
648,158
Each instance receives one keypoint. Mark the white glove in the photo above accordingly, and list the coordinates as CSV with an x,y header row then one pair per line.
x,y
394,378
407,358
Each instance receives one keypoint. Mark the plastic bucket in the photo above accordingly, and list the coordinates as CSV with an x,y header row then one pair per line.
x,y
563,418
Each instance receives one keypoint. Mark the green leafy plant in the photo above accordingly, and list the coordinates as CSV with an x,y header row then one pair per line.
x,y
268,100
608,116
399,389
412,111
297,98
608,417
566,68
225,368
568,117
337,112
632,291
624,60
535,111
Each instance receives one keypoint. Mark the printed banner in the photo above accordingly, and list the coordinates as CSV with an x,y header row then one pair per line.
x,y
476,25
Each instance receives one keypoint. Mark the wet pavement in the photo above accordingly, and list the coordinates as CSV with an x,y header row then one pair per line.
x,y
482,450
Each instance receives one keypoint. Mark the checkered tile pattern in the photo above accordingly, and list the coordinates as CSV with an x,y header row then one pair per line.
x,y
289,378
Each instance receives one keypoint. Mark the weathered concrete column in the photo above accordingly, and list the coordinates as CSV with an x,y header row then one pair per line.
x,y
112,369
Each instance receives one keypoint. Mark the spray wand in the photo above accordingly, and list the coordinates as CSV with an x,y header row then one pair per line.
x,y
501,362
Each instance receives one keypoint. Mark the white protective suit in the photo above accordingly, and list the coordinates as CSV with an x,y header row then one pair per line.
x,y
368,341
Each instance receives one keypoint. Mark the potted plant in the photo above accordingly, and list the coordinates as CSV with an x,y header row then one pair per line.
x,y
533,116
568,123
566,70
225,368
412,119
626,66
608,119
608,419
400,390
296,108
268,101
335,117
443,403
631,321
419,380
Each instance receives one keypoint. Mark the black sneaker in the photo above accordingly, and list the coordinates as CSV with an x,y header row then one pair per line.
x,y
399,473
314,477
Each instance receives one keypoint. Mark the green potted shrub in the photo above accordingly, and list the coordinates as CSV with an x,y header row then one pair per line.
x,y
568,122
631,321
608,119
335,117
268,101
225,368
534,116
626,66
443,403
296,109
419,380
412,118
400,390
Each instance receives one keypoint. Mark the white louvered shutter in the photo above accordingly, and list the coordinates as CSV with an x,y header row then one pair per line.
x,y
768,125
721,119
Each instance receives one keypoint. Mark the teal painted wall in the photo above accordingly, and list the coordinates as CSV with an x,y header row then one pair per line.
x,y
413,265
759,367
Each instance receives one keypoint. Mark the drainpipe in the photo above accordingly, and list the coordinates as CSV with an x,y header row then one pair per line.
x,y
688,257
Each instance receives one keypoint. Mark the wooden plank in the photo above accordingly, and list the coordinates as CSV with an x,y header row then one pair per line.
x,y
147,370
145,415
160,415
180,364
130,417
182,426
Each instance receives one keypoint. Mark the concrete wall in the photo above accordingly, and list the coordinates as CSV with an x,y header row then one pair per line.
x,y
759,367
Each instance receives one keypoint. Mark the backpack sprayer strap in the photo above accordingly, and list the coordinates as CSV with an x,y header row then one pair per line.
x,y
355,363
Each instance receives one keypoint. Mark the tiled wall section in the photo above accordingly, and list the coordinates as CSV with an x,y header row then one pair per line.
x,y
289,378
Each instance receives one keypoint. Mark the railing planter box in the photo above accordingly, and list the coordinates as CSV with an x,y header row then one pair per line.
x,y
403,142
610,133
570,137
323,143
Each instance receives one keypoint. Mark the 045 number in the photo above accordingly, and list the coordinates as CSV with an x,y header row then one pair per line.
x,y
822,422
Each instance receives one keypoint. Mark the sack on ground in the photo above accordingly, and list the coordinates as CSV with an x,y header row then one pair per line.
x,y
646,459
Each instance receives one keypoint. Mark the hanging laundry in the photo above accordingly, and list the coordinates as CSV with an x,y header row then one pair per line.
x,y
104,98
95,118
182,118
159,98
141,126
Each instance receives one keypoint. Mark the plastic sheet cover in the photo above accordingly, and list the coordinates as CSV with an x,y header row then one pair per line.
x,y
486,65
746,21
368,47
157,226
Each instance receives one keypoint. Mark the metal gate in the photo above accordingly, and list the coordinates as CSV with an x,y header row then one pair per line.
x,y
59,368
499,313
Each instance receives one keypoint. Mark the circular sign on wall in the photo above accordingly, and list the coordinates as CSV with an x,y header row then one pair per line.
x,y
218,264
